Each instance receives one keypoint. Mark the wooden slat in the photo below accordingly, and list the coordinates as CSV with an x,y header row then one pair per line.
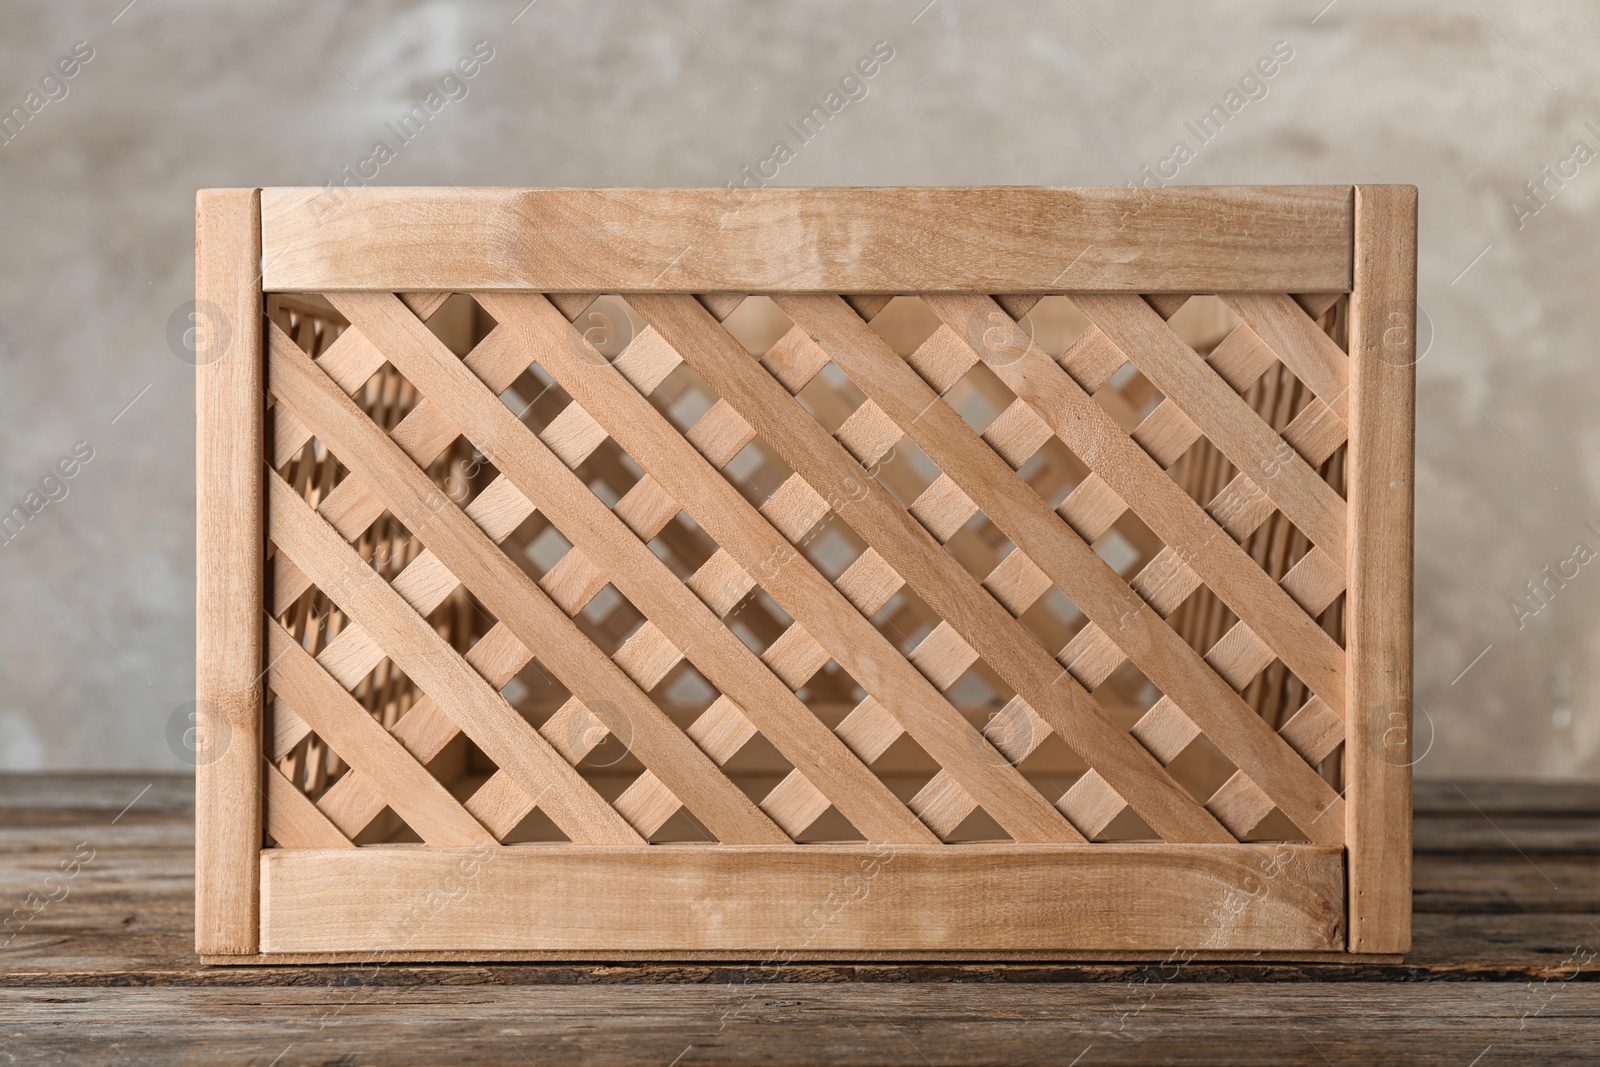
x,y
1014,240
1230,424
936,576
1378,616
438,669
514,599
230,548
931,898
292,820
639,575
1304,348
1236,579
407,787
1146,639
791,581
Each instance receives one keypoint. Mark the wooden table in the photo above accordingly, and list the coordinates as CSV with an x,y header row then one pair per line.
x,y
1507,935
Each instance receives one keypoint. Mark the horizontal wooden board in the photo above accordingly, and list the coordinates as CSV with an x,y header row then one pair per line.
x,y
818,898
994,240
745,1020
129,919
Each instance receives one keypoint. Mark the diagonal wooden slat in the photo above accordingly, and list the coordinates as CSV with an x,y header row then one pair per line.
x,y
1072,565
637,573
1231,424
935,575
406,786
1155,498
292,820
792,581
439,670
513,597
1304,348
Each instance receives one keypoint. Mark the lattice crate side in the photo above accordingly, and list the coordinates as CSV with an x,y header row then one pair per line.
x,y
627,481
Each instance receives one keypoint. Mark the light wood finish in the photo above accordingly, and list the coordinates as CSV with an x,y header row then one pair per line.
x,y
229,444
688,477
807,538
824,897
1382,426
1275,239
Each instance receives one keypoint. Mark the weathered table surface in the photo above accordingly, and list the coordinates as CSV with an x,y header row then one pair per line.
x,y
1507,931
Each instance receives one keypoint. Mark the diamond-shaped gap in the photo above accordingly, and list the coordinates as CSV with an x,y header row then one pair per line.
x,y
535,693
460,322
757,768
905,619
1201,619
314,471
386,693
758,620
1052,767
831,692
1276,693
609,324
831,397
905,767
1201,768
832,545
1126,695
461,619
386,397
1128,545
683,396
609,619
462,472
906,472
904,324
683,546
535,398
979,396
1204,472
979,694
1053,472
1128,397
757,472
757,324
1203,321
1276,546
1053,619
536,546
979,546
1054,323
684,694
609,472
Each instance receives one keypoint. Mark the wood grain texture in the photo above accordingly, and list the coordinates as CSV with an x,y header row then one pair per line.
x,y
1378,714
788,577
823,897
1013,240
230,550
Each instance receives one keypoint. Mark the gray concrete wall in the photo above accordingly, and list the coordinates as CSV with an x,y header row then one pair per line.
x,y
1467,101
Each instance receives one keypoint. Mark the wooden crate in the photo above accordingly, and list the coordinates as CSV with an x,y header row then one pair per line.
x,y
773,574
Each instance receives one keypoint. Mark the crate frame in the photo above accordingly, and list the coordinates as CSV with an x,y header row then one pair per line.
x,y
1346,893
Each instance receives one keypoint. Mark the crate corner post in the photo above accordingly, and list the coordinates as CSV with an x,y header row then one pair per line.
x,y
1382,438
230,551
